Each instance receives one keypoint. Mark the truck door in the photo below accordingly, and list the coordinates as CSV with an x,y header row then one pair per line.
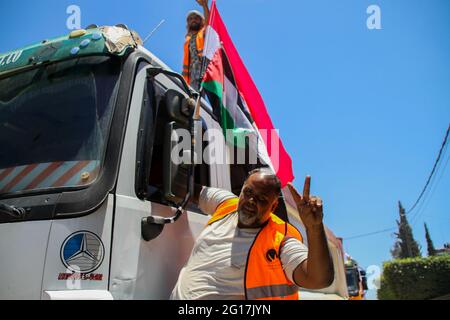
x,y
141,269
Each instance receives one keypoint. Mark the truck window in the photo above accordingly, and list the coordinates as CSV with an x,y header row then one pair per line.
x,y
155,186
54,123
239,171
352,281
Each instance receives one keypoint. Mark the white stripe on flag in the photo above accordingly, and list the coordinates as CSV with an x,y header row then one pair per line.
x,y
230,101
212,43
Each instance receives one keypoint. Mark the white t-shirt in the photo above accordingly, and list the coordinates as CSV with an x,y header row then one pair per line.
x,y
216,267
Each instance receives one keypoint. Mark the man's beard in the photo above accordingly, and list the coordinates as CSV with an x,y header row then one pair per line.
x,y
247,219
195,27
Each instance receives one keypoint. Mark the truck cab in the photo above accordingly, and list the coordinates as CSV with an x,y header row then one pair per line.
x,y
90,203
356,280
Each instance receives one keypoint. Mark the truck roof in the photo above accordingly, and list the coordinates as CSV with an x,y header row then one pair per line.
x,y
109,40
115,40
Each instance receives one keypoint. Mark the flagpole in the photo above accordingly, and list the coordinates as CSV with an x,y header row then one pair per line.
x,y
196,115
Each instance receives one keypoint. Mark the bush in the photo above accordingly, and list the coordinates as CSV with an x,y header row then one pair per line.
x,y
385,292
415,278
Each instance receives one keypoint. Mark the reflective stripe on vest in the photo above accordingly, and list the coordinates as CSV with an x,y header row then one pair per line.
x,y
225,208
276,291
264,274
200,41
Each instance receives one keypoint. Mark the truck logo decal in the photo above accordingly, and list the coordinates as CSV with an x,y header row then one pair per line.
x,y
82,252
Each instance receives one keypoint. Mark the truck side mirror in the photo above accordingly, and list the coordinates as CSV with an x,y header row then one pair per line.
x,y
364,280
179,108
176,162
177,180
364,283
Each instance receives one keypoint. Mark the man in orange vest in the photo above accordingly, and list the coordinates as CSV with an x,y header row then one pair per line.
x,y
193,45
247,252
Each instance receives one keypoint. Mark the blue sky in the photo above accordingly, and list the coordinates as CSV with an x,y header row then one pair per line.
x,y
362,111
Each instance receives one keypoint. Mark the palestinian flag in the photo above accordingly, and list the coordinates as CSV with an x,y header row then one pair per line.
x,y
236,100
220,87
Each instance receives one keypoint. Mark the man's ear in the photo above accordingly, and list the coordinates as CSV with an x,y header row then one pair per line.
x,y
274,205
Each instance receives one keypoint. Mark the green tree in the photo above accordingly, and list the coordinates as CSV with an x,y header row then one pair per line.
x,y
430,245
396,250
405,246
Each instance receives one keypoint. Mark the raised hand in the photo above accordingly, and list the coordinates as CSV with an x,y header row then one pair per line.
x,y
310,208
203,3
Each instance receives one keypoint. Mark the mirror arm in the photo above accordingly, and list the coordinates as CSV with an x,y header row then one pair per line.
x,y
154,71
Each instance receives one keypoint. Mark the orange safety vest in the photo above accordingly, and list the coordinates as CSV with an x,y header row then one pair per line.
x,y
264,275
200,41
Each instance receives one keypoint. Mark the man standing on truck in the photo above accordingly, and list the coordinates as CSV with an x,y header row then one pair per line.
x,y
246,252
193,45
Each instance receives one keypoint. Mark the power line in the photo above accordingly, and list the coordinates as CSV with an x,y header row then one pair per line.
x,y
437,162
370,233
420,212
427,195
431,188
432,171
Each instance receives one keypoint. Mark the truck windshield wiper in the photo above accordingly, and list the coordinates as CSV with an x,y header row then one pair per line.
x,y
13,211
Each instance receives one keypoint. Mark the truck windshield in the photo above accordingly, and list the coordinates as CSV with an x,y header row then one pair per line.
x,y
352,281
54,123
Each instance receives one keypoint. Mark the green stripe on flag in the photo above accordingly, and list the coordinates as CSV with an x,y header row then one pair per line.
x,y
238,134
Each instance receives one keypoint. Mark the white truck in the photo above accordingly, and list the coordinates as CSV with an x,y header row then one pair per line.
x,y
86,187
